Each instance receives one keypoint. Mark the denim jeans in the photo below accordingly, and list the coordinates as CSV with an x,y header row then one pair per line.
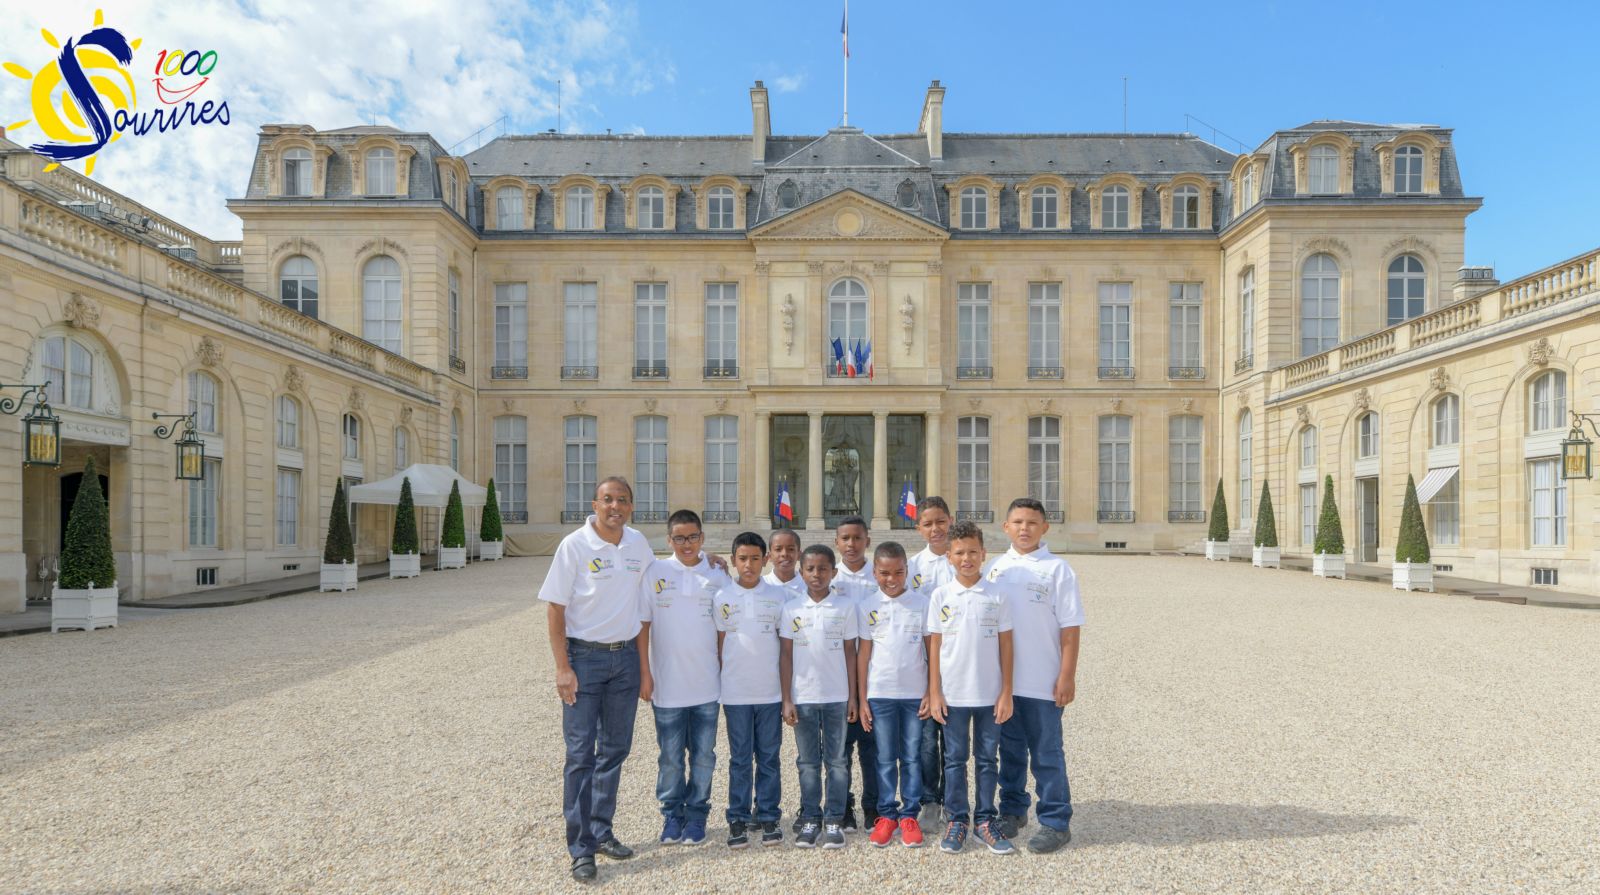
x,y
1034,733
932,760
755,737
857,740
971,730
598,730
898,732
819,740
688,732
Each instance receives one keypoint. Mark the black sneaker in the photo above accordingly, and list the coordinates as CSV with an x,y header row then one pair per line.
x,y
807,837
615,850
737,837
795,827
1048,840
871,818
770,834
848,825
833,837
1011,823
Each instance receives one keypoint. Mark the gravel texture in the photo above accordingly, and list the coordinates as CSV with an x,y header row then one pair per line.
x,y
1236,730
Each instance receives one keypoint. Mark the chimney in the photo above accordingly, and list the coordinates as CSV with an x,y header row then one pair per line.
x,y
932,123
1471,281
763,124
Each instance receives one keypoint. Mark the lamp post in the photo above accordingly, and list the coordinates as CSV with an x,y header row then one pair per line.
x,y
191,450
41,428
1577,449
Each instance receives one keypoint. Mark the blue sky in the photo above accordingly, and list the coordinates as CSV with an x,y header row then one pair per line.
x,y
1515,82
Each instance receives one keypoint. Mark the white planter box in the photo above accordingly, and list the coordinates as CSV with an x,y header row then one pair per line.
x,y
83,608
1327,565
488,550
452,557
1410,576
1217,551
1266,557
338,576
405,565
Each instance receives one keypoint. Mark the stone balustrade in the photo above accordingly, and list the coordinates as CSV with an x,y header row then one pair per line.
x,y
68,233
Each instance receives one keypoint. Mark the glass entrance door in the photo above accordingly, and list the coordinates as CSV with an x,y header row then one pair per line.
x,y
846,468
1367,500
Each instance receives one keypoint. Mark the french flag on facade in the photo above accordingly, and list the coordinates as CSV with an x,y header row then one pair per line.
x,y
785,507
850,359
838,357
908,502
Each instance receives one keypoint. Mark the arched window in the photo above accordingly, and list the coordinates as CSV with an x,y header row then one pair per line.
x,y
848,329
288,422
974,208
652,212
1408,169
580,208
297,285
402,449
1367,434
380,172
1319,305
508,208
1408,287
1247,187
455,440
1308,447
381,308
1186,208
351,429
719,208
297,172
1246,465
906,195
788,195
1247,313
1322,164
203,402
1549,402
1447,421
1114,208
1044,204
69,369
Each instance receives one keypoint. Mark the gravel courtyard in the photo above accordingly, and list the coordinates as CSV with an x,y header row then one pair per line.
x,y
1236,730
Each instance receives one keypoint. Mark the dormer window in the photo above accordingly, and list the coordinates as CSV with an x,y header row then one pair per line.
x,y
719,209
788,195
1247,187
1114,208
906,195
974,208
1408,169
1186,208
297,172
508,208
580,208
1043,207
652,209
1323,169
380,172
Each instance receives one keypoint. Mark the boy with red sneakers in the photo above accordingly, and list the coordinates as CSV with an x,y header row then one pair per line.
x,y
892,673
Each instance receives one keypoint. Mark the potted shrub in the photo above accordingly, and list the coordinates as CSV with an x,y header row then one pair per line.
x,y
339,552
1217,535
1264,553
85,593
1413,562
1328,558
491,540
453,541
404,560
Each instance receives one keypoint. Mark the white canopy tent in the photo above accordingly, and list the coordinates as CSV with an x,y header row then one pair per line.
x,y
430,487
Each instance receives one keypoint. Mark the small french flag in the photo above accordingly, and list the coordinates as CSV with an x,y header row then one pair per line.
x,y
785,507
844,29
908,502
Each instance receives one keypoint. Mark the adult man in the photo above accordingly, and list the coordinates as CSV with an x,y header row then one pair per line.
x,y
593,608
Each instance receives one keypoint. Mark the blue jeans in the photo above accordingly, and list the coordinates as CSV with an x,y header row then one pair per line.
x,y
971,730
1034,732
688,731
598,730
932,760
819,740
755,737
857,740
898,732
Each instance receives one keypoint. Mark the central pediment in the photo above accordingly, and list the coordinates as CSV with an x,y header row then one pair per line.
x,y
849,215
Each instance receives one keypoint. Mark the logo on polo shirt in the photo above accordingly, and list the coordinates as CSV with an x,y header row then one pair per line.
x,y
727,610
599,564
944,613
916,581
872,618
798,624
661,585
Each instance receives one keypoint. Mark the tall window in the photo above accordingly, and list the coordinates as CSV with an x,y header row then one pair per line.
x,y
1547,502
1408,169
288,527
1246,465
1408,288
288,422
297,285
972,327
1447,421
1044,461
1044,328
972,464
511,465
203,402
1247,313
1446,511
652,211
455,313
508,208
1308,514
511,328
581,461
1186,208
580,208
1247,187
1116,325
650,329
1043,204
203,505
380,172
455,440
1308,447
402,449
1114,208
69,368
650,468
1116,469
380,303
1183,466
1322,163
1184,317
297,173
719,208
450,188
847,319
722,328
1549,395
352,437
581,326
722,467
1367,436
1319,305
974,208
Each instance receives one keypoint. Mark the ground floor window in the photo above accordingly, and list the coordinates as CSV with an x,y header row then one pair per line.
x,y
1547,502
203,505
288,507
1308,515
1446,507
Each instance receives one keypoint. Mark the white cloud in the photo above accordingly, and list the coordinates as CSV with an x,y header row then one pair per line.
x,y
789,83
446,67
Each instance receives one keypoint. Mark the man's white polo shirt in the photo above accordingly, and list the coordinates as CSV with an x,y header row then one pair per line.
x,y
598,582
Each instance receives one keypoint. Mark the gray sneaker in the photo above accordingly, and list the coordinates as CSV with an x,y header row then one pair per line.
x,y
932,817
833,836
807,837
1048,840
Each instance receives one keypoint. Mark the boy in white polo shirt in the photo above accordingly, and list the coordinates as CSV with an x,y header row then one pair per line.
x,y
785,559
817,671
926,571
855,582
1048,613
748,613
892,671
683,678
969,687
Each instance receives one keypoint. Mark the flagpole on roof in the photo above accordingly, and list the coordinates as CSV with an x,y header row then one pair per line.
x,y
844,31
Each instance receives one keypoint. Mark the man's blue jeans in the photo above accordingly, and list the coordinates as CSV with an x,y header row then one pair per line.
x,y
898,732
688,732
819,742
755,737
1034,732
598,730
970,730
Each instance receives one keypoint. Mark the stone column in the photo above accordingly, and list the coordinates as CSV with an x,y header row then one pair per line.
x,y
761,486
814,514
880,469
930,444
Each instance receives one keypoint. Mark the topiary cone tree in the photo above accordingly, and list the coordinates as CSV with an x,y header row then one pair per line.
x,y
489,528
340,547
1412,545
1219,516
1330,534
405,522
455,524
87,560
1266,525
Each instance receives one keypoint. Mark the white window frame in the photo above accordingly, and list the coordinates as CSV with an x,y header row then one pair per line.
x,y
1322,170
1408,169
402,448
68,367
581,324
1184,319
651,208
1247,186
1186,207
297,173
1247,480
511,464
1547,503
508,208
1044,203
650,326
204,504
1115,203
1547,402
719,208
1446,419
1321,281
381,172
722,325
350,432
454,280
972,326
1115,464
580,202
722,464
581,462
1044,461
1116,324
1445,512
1308,447
288,422
382,306
297,285
1044,325
849,320
455,440
1247,313
511,325
1369,436
650,469
974,208
287,517
203,393
1409,278
1185,446
1309,512
972,465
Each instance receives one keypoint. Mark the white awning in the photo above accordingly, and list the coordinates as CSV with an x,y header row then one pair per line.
x,y
1434,482
430,487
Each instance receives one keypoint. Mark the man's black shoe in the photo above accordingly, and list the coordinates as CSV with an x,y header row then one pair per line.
x,y
849,822
1011,823
615,850
583,869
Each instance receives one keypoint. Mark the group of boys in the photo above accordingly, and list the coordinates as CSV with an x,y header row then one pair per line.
x,y
913,664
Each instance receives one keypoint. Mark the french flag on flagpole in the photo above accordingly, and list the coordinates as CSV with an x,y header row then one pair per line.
x,y
785,507
850,360
844,29
866,361
908,502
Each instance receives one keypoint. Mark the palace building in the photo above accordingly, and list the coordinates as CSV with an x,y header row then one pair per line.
x,y
1109,322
